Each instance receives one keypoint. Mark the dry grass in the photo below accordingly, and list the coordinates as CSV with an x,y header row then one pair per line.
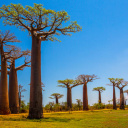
x,y
79,119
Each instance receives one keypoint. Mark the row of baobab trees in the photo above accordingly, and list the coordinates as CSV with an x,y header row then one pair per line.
x,y
9,54
84,80
42,25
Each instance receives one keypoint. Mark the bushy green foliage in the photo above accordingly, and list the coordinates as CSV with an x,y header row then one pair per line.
x,y
46,108
57,108
76,107
98,106
24,108
126,106
37,18
64,106
61,107
109,106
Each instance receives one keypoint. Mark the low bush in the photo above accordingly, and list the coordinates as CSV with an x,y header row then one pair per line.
x,y
98,106
108,106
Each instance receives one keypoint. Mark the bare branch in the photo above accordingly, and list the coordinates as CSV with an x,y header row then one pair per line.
x,y
23,66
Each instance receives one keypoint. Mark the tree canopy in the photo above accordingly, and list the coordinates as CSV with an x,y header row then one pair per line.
x,y
56,95
100,89
115,81
68,83
86,78
44,23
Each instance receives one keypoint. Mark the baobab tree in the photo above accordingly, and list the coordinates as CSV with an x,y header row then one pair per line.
x,y
110,101
114,82
42,25
79,103
99,89
20,90
13,81
126,98
69,84
84,80
0,63
120,86
5,37
56,96
126,91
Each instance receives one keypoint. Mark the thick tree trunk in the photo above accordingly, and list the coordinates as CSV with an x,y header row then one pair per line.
x,y
4,101
85,97
99,97
114,98
36,110
13,90
121,99
70,93
0,63
69,98
56,99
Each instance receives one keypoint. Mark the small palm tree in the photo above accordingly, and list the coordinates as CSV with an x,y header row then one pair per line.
x,y
99,89
56,96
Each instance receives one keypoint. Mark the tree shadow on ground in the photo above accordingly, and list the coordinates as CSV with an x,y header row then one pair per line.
x,y
45,119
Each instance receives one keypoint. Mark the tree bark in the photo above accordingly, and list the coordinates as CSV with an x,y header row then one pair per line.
x,y
13,90
36,110
0,63
85,97
121,99
114,98
99,97
56,100
69,98
4,101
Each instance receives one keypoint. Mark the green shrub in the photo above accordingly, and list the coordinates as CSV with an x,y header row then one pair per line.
x,y
108,106
57,108
98,106
76,107
24,108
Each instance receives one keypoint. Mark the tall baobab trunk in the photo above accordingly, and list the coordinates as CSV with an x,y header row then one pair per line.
x,y
114,98
13,90
4,101
69,98
99,97
70,94
36,110
85,97
56,100
121,99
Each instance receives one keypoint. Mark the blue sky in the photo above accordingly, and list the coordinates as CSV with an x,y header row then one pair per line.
x,y
101,48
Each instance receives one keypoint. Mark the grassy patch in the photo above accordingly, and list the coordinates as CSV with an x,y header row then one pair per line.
x,y
88,119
